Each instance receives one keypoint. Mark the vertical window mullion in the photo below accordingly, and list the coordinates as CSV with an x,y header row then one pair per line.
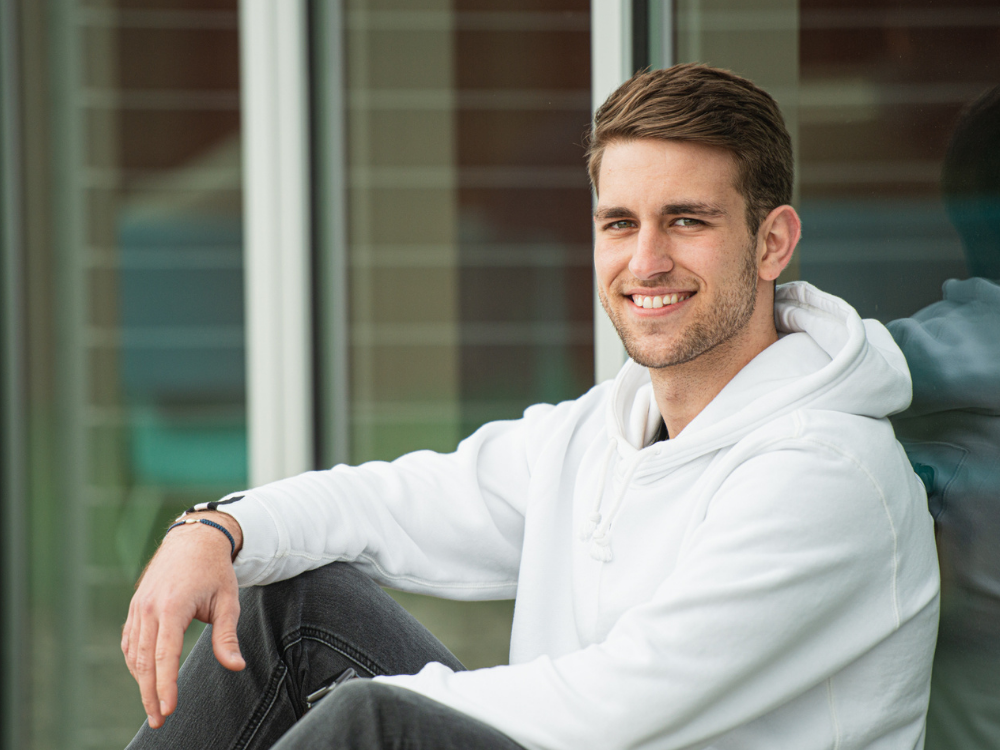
x,y
273,50
611,62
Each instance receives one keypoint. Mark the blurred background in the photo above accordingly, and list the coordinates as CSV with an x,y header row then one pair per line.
x,y
379,209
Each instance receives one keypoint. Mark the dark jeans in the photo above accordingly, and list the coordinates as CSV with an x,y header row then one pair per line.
x,y
297,636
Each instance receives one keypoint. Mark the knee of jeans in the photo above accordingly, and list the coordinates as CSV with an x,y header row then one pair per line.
x,y
361,693
308,595
351,716
363,700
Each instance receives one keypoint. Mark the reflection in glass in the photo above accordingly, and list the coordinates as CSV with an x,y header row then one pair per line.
x,y
468,234
135,364
951,433
881,87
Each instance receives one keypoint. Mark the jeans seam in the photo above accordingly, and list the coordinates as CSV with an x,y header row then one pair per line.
x,y
335,643
263,708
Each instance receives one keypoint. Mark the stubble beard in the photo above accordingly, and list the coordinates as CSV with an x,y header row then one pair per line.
x,y
731,315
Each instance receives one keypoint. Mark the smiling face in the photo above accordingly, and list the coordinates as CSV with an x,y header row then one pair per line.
x,y
677,269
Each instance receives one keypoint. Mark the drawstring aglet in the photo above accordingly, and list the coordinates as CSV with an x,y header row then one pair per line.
x,y
600,548
588,527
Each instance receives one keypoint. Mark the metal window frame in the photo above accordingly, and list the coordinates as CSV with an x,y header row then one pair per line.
x,y
274,95
329,120
610,66
12,397
70,357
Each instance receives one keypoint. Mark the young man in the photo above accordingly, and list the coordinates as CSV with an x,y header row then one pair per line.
x,y
724,547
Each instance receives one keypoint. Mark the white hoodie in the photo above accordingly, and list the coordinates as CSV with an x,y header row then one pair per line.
x,y
765,580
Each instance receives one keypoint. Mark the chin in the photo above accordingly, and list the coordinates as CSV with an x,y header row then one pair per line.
x,y
697,339
658,359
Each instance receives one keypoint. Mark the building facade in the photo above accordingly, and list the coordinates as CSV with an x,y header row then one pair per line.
x,y
247,238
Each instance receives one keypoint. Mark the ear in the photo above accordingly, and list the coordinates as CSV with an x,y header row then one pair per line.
x,y
779,234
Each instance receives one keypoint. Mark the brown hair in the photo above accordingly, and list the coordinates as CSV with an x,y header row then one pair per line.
x,y
697,103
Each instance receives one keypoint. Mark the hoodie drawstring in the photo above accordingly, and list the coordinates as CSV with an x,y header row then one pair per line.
x,y
597,530
589,526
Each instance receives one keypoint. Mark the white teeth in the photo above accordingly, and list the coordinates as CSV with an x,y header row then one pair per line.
x,y
657,302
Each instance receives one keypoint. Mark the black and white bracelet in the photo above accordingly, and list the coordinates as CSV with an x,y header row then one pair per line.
x,y
219,526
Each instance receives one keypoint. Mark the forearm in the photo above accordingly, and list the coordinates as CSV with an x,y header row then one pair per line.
x,y
425,520
422,523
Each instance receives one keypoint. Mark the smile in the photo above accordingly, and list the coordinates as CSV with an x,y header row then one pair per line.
x,y
666,300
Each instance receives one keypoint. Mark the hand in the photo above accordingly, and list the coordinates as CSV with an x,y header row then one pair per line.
x,y
190,576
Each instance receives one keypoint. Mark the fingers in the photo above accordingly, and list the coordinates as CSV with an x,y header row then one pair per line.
x,y
190,576
152,640
132,629
126,632
145,666
169,644
224,642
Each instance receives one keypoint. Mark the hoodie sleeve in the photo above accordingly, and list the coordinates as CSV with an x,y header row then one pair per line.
x,y
794,572
450,525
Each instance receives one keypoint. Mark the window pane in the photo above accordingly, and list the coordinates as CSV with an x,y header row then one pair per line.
x,y
467,237
882,86
134,316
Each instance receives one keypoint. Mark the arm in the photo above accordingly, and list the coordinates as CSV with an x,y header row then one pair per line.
x,y
445,524
448,525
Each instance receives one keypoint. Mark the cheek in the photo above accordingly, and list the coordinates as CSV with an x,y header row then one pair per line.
x,y
606,266
714,263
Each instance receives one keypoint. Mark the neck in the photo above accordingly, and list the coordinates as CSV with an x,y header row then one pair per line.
x,y
682,391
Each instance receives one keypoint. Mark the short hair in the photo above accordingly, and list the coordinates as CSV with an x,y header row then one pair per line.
x,y
701,104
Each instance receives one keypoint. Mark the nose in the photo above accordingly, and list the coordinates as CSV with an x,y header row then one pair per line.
x,y
651,255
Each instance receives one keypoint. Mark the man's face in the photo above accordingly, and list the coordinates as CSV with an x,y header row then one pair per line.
x,y
676,265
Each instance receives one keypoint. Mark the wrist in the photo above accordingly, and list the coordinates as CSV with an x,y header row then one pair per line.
x,y
226,521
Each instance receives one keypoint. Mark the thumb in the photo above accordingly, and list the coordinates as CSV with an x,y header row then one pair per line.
x,y
224,641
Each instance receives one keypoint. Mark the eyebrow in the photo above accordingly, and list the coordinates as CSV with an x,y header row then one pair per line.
x,y
709,210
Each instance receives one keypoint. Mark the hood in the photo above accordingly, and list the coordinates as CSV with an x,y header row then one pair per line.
x,y
953,349
826,358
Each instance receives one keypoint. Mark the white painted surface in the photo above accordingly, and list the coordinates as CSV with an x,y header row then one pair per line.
x,y
611,53
276,222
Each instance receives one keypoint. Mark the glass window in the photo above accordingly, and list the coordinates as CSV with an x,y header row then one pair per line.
x,y
467,237
882,86
133,294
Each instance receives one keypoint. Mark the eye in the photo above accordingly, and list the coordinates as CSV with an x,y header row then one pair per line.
x,y
687,221
621,224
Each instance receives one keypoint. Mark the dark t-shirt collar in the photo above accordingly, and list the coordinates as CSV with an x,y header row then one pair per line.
x,y
661,433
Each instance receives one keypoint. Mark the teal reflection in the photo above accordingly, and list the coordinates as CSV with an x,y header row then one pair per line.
x,y
182,366
951,433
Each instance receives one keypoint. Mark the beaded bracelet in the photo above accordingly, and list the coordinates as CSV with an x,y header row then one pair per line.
x,y
219,526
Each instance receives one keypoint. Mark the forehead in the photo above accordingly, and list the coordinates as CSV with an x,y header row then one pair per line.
x,y
666,171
